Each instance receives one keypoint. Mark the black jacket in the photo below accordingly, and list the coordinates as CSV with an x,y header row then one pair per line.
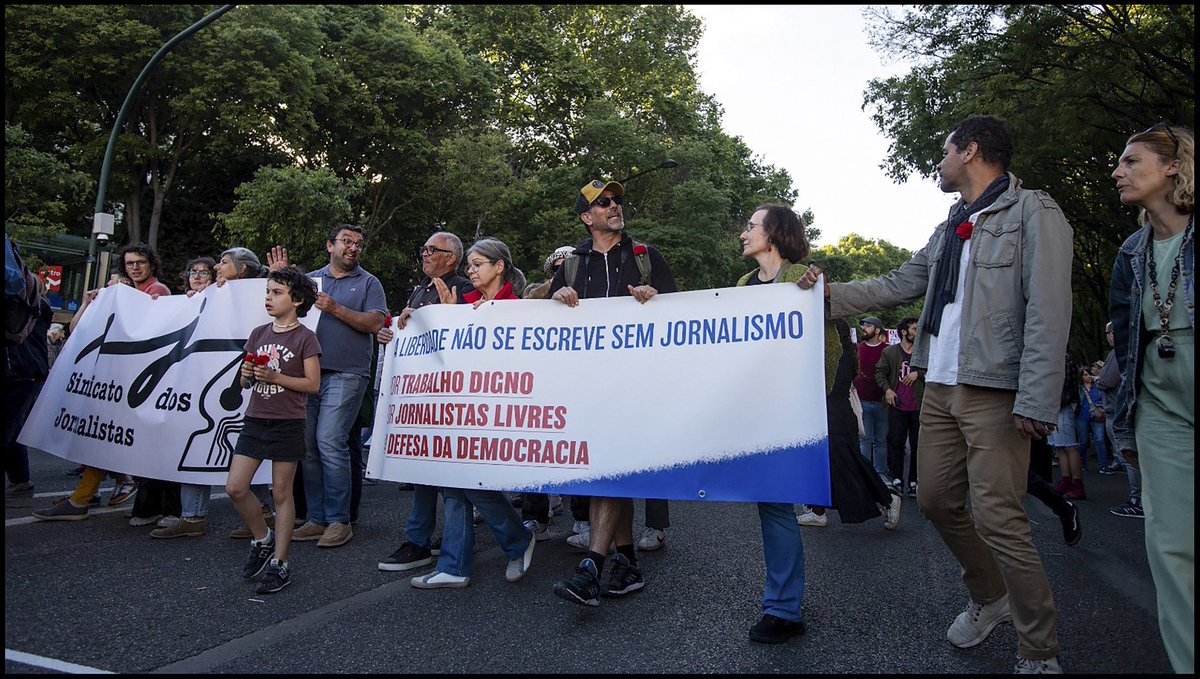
x,y
609,274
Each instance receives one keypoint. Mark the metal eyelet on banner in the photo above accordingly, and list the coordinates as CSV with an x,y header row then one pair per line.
x,y
701,494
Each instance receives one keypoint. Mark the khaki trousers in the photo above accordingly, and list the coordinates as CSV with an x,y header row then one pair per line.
x,y
969,446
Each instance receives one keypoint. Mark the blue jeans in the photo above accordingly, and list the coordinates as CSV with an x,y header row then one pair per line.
x,y
874,439
194,498
331,413
783,552
1086,429
1134,475
423,518
458,537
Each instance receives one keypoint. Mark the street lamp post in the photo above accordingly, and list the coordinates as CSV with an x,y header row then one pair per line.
x,y
103,223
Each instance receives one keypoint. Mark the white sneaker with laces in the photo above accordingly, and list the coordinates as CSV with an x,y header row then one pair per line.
x,y
811,518
539,529
974,624
652,539
582,537
1027,666
440,580
891,513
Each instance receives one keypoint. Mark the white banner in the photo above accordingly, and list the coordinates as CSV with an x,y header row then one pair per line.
x,y
707,395
149,387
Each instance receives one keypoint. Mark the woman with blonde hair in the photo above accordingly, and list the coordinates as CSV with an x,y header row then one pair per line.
x,y
1152,307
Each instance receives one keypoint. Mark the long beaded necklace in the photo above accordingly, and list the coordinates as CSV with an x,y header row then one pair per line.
x,y
1166,347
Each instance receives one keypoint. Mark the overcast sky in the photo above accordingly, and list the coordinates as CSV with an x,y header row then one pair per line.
x,y
818,60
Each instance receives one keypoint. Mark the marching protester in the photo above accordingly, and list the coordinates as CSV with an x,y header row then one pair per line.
x,y
494,277
903,388
875,414
1004,252
1109,383
274,422
440,256
26,364
199,273
1152,306
774,237
234,264
610,264
353,307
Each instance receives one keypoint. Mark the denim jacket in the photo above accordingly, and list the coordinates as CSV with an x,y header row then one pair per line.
x,y
1125,312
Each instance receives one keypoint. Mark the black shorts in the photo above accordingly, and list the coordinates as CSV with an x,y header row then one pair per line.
x,y
275,440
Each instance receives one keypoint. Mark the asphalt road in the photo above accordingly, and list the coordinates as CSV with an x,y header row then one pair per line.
x,y
104,596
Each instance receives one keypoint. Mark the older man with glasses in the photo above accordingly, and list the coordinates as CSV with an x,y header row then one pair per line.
x,y
353,307
440,256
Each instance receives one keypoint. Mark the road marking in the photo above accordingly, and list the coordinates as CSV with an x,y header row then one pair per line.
x,y
92,511
50,663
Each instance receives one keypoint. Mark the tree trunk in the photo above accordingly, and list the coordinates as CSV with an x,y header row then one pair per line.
x,y
133,214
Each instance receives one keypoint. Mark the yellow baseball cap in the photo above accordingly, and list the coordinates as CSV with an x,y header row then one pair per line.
x,y
592,190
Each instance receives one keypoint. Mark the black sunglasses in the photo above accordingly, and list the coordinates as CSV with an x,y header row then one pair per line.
x,y
1165,128
605,201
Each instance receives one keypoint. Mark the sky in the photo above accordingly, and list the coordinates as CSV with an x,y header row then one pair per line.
x,y
818,59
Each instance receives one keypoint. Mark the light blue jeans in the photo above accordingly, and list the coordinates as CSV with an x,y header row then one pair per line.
x,y
1134,475
458,536
195,498
331,413
874,439
783,552
423,518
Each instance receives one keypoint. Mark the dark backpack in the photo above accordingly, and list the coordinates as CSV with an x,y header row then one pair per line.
x,y
571,265
22,296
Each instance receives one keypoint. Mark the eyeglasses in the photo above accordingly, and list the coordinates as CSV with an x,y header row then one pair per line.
x,y
347,243
138,263
199,274
750,227
475,266
605,201
1165,128
429,250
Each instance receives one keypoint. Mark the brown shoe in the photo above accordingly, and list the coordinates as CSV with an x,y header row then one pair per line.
x,y
336,535
183,528
243,532
309,531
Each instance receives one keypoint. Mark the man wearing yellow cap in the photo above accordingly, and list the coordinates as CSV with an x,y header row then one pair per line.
x,y
609,266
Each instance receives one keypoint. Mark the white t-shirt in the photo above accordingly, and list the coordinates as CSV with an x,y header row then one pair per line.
x,y
943,349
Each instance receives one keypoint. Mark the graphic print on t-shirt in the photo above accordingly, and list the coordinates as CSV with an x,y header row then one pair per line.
x,y
279,356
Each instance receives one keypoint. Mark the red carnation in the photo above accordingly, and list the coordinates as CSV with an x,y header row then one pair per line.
x,y
387,322
965,230
639,249
262,359
249,358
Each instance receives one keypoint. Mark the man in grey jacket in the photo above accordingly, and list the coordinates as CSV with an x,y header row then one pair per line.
x,y
996,276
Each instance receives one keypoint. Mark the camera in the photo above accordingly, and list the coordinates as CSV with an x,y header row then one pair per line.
x,y
102,239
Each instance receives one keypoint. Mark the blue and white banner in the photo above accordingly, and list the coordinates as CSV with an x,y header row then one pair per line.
x,y
149,387
707,395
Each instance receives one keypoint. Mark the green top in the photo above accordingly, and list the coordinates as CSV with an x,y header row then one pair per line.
x,y
790,273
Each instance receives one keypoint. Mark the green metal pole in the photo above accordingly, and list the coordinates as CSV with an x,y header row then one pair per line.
x,y
106,168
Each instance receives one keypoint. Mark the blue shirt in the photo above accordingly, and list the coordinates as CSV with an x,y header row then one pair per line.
x,y
347,350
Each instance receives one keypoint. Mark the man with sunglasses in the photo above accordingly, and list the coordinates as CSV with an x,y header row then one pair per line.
x,y
353,307
440,256
608,268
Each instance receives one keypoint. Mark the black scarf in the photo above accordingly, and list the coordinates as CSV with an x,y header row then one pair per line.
x,y
945,286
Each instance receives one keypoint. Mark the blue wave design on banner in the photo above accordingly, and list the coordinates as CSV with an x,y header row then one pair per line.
x,y
795,474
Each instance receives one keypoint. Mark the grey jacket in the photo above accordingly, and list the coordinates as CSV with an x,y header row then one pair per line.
x,y
1016,304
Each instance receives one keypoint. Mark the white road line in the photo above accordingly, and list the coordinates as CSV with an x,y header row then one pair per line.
x,y
92,511
50,663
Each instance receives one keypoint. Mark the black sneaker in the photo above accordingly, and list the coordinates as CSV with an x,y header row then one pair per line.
x,y
773,630
583,587
260,554
274,578
1129,510
624,578
408,557
1072,528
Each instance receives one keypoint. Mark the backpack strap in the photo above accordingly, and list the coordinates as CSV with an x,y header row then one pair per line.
x,y
570,269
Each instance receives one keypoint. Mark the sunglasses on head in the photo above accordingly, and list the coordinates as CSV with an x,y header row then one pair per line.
x,y
605,201
1165,128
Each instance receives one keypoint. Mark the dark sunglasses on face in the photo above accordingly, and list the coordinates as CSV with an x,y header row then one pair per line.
x,y
605,201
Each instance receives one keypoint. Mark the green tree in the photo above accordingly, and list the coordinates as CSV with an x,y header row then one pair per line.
x,y
40,188
858,258
1072,81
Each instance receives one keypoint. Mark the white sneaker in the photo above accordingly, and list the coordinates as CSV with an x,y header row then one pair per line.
x,y
1027,666
517,568
440,580
891,513
811,518
539,530
582,537
974,624
652,539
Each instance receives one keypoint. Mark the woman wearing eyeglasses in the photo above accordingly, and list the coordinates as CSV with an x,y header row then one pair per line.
x,y
198,274
775,239
1151,304
491,270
